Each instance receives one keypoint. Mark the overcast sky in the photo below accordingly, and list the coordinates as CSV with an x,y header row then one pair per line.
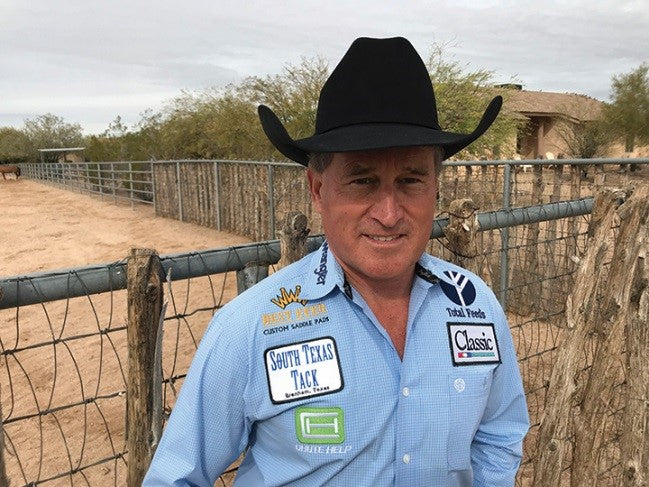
x,y
89,61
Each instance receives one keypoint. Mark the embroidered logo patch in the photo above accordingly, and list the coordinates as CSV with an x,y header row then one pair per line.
x,y
324,426
473,343
461,292
304,369
321,271
287,297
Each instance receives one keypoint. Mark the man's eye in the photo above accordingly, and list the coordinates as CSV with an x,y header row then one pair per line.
x,y
411,180
362,181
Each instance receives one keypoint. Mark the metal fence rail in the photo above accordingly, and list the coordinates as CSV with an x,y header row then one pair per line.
x,y
81,281
63,342
121,181
251,197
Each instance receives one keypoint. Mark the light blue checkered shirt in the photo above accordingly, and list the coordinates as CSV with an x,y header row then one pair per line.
x,y
299,372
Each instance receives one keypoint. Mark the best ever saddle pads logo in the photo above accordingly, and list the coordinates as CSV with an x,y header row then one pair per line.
x,y
320,425
287,297
461,292
304,369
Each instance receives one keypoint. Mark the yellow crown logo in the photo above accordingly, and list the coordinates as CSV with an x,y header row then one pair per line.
x,y
287,297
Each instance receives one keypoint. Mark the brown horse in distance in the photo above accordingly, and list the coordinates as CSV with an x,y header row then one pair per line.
x,y
9,170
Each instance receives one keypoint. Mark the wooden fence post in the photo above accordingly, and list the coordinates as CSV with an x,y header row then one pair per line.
x,y
460,234
634,446
250,275
596,313
292,238
144,423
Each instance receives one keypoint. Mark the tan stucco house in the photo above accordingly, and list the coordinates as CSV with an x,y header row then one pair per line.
x,y
549,116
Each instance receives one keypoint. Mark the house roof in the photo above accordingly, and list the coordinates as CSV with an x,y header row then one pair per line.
x,y
575,107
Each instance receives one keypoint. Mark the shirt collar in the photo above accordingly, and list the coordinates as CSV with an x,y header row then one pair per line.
x,y
437,268
324,273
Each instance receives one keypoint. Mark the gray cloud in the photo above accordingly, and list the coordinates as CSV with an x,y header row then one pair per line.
x,y
90,61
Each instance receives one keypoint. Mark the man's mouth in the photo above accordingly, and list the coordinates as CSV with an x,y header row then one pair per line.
x,y
383,238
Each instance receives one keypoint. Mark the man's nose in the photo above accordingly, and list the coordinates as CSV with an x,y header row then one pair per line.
x,y
387,208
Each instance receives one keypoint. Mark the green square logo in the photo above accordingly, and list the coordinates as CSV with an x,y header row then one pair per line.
x,y
324,426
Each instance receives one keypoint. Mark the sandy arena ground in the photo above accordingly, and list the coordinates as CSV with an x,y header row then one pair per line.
x,y
47,228
46,366
44,227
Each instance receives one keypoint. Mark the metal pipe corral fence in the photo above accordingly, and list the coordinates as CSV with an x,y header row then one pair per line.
x,y
67,283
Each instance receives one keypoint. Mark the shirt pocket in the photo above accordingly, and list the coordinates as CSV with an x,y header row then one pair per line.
x,y
468,394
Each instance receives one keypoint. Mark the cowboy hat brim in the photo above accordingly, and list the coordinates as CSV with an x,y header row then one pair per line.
x,y
368,136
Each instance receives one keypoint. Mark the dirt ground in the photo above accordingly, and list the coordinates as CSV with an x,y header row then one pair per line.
x,y
74,351
44,228
54,354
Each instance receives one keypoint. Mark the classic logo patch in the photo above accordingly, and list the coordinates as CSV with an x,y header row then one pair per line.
x,y
304,369
461,292
473,343
324,426
287,297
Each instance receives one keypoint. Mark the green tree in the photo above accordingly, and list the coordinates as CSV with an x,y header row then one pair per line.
x,y
223,123
585,140
627,116
461,99
110,145
50,131
14,145
292,95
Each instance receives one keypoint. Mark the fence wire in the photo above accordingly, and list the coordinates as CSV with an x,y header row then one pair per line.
x,y
63,379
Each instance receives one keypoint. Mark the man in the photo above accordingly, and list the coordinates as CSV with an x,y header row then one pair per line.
x,y
368,362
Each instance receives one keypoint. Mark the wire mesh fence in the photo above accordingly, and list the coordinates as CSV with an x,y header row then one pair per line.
x,y
250,198
64,380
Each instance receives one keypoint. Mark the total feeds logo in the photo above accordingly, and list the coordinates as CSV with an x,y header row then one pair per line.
x,y
461,291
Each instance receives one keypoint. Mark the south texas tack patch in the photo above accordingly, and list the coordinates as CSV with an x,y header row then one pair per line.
x,y
473,343
303,369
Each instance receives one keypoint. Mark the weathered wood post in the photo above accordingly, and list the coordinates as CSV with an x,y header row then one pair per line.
x,y
292,238
251,274
460,235
143,414
607,302
634,445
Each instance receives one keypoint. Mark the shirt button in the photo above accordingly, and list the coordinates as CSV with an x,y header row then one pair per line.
x,y
406,458
405,392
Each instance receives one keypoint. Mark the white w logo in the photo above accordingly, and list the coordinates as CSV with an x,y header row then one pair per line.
x,y
459,282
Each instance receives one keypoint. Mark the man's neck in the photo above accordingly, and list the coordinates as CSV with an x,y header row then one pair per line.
x,y
389,300
382,289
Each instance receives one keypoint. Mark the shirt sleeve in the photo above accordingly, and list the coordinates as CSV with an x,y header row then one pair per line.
x,y
207,429
497,447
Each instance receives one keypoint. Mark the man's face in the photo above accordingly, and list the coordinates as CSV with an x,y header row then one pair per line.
x,y
377,210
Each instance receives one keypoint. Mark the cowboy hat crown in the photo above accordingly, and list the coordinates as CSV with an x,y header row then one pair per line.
x,y
379,96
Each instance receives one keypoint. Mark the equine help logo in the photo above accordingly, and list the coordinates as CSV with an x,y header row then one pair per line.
x,y
320,425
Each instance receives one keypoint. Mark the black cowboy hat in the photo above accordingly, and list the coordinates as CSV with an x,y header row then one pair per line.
x,y
380,95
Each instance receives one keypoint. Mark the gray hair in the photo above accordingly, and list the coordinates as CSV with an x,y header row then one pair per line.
x,y
318,161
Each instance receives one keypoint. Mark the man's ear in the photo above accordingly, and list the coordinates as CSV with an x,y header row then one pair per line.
x,y
315,185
